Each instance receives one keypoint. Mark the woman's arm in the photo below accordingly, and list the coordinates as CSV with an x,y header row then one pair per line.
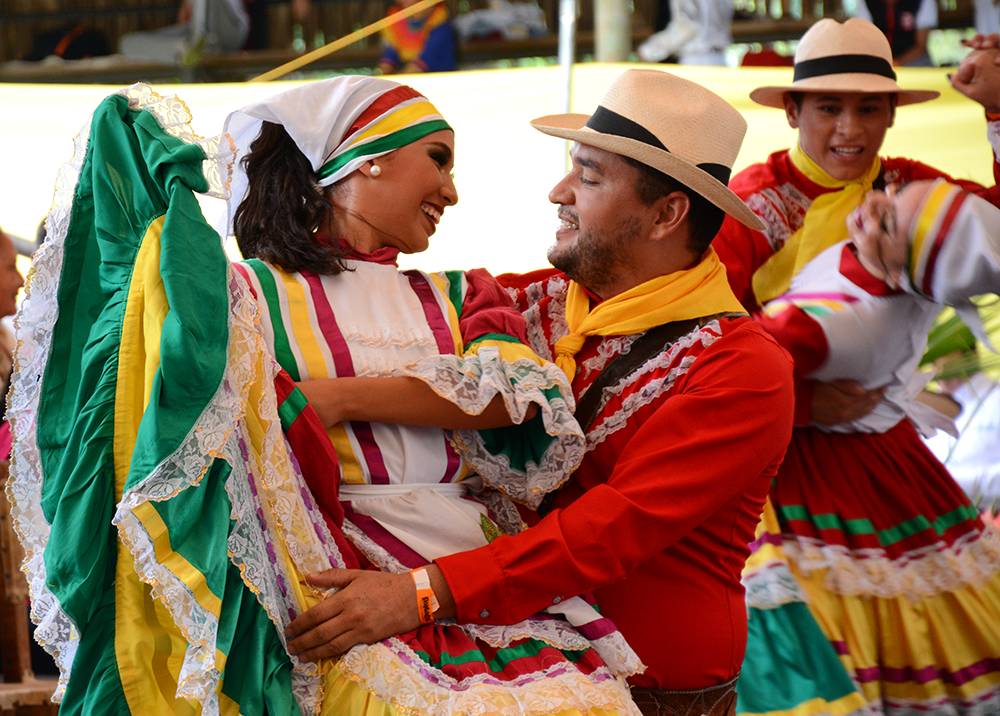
x,y
401,400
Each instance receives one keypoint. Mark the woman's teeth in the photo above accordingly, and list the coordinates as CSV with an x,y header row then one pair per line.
x,y
431,212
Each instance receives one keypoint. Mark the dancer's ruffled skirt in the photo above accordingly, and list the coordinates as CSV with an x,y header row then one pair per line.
x,y
874,585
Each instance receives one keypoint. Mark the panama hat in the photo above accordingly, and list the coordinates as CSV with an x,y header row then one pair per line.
x,y
668,123
853,56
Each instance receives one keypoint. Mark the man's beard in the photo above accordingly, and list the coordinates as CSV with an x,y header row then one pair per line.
x,y
596,261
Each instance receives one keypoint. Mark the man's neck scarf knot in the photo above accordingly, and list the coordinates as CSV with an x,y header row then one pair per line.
x,y
825,225
698,291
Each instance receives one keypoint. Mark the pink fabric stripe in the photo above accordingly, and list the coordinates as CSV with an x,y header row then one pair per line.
x,y
344,368
383,538
956,204
827,296
454,463
432,311
766,538
928,673
441,329
597,629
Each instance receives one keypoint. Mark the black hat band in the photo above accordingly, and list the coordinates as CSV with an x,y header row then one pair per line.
x,y
607,121
843,64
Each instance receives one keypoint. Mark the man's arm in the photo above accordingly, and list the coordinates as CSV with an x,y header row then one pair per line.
x,y
369,606
731,422
688,458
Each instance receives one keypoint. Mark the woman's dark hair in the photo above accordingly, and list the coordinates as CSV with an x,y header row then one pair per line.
x,y
283,207
704,218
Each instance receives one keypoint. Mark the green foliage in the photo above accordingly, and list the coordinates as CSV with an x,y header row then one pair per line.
x,y
951,336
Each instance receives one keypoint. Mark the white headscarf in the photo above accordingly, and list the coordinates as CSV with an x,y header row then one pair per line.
x,y
338,124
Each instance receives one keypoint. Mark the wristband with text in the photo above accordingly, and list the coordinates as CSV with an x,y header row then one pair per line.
x,y
427,603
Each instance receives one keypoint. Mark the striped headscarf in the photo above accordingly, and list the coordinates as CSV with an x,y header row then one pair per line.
x,y
338,124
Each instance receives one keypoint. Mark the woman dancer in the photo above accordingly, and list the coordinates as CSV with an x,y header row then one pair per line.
x,y
189,483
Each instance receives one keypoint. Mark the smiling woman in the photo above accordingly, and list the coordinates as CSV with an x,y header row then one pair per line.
x,y
310,407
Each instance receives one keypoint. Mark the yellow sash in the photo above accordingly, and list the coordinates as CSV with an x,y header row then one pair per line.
x,y
699,291
825,224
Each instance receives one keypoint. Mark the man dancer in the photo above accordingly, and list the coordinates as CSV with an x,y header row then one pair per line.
x,y
686,403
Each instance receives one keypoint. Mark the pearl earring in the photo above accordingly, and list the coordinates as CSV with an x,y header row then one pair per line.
x,y
375,170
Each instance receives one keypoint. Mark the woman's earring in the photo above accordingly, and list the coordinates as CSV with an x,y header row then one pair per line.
x,y
375,170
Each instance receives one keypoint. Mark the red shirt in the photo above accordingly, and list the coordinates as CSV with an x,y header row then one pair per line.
x,y
657,519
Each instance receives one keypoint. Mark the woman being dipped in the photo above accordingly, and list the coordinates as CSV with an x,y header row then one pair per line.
x,y
342,176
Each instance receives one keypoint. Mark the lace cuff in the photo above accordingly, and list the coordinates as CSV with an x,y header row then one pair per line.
x,y
529,459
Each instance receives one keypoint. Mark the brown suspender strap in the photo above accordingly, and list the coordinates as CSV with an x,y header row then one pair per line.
x,y
649,344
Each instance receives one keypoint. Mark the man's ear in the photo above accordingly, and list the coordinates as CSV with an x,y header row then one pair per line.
x,y
670,212
791,110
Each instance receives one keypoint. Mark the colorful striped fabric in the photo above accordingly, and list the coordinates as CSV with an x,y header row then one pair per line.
x,y
790,668
899,572
375,320
338,124
906,592
817,304
146,434
398,117
928,233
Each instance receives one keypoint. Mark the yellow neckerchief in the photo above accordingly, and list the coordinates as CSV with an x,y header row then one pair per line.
x,y
825,224
699,291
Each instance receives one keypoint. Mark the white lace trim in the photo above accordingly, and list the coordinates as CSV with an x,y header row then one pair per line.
x,y
503,512
399,677
387,336
472,382
174,116
650,390
772,586
972,560
268,508
373,551
614,651
208,440
534,293
33,325
608,349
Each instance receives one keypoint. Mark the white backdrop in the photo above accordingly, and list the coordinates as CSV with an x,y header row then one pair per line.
x,y
504,168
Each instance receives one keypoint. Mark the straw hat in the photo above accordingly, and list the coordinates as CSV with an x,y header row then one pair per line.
x,y
668,123
853,56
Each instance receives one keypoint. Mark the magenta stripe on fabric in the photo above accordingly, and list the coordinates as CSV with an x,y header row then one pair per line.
x,y
823,296
454,464
446,345
344,367
383,538
766,538
956,203
432,311
342,363
840,647
243,270
596,629
928,673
